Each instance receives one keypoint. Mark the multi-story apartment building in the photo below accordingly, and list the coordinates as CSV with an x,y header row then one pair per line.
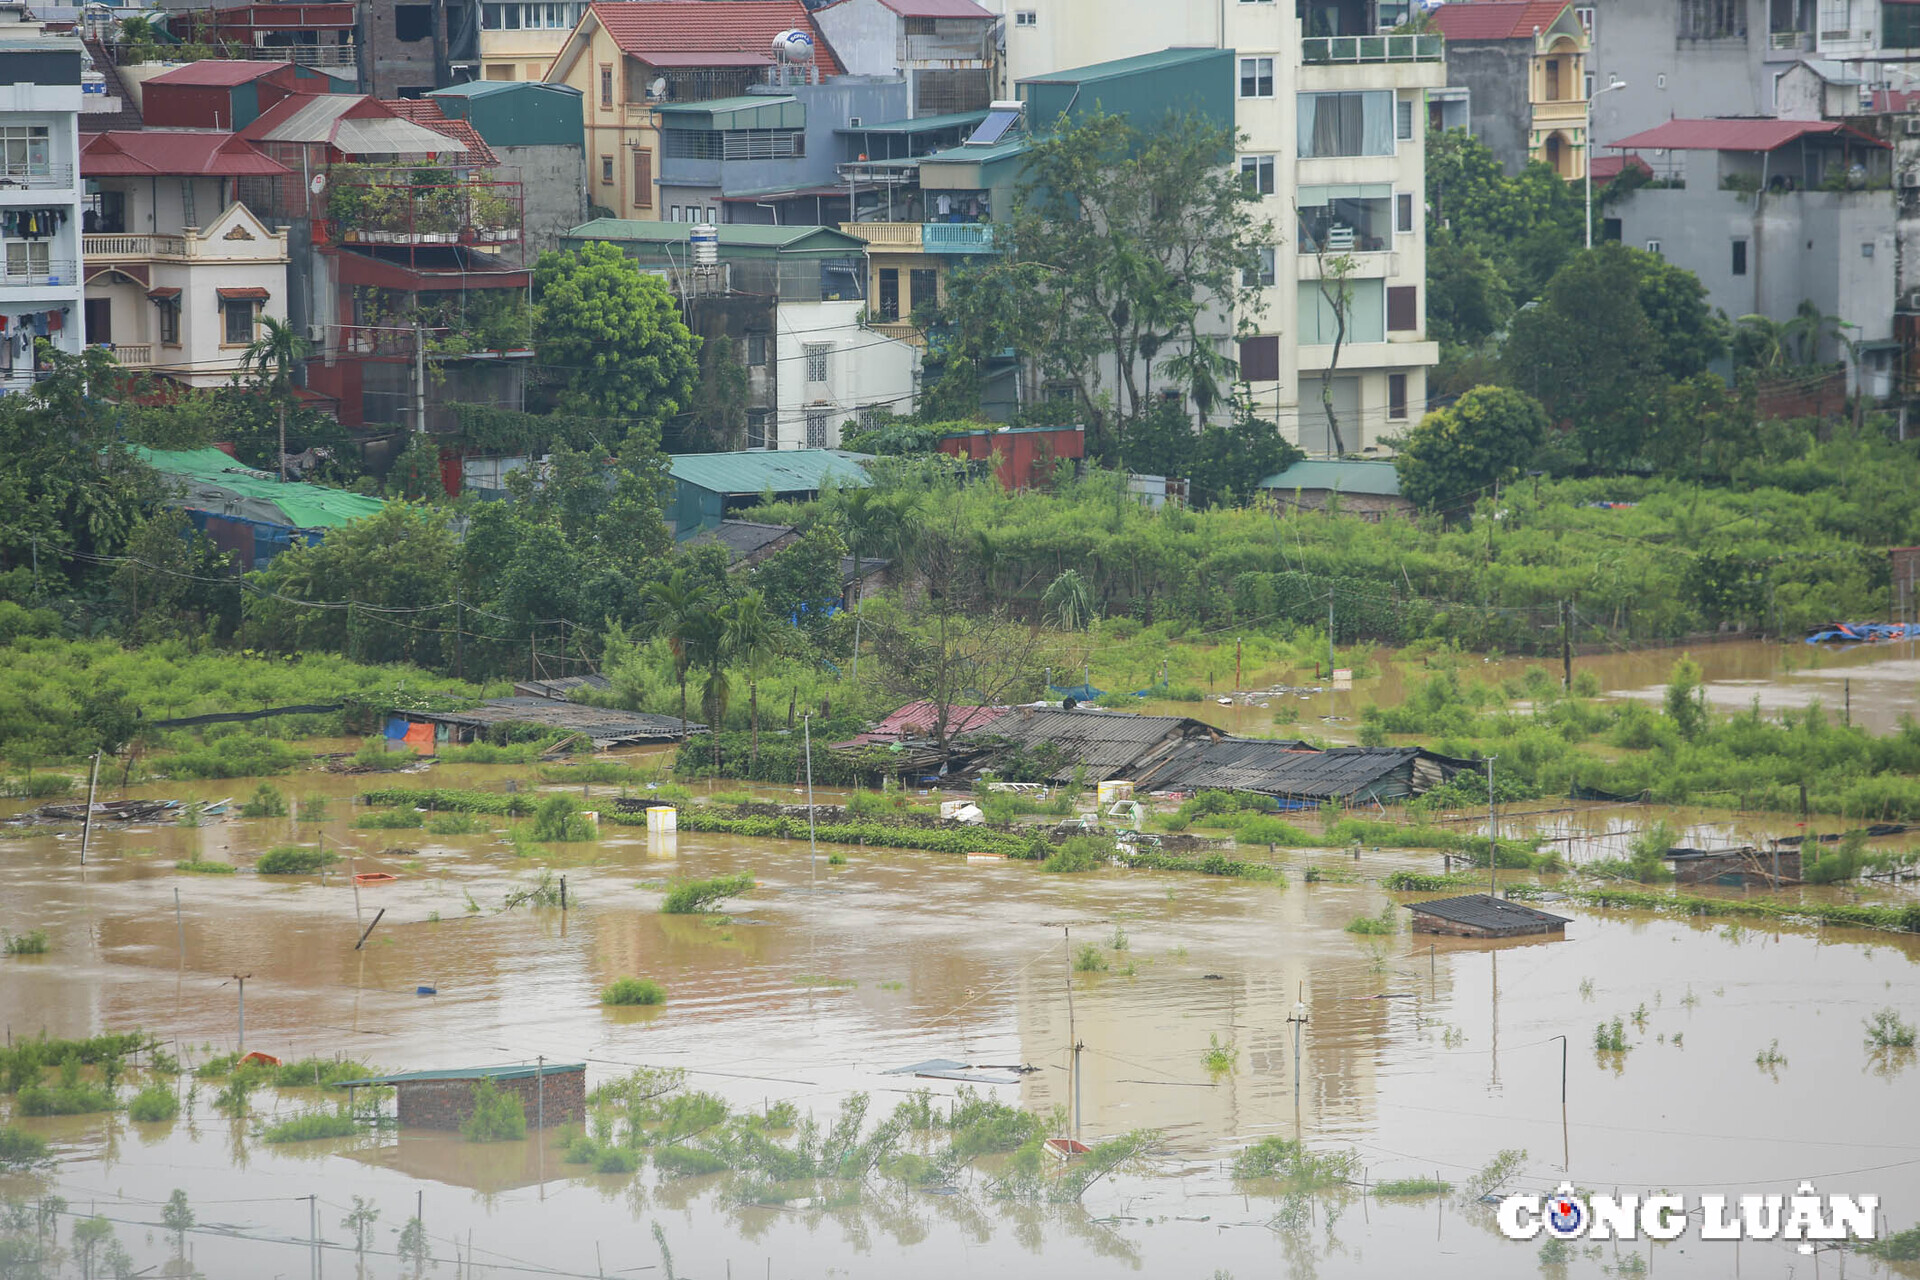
x,y
945,49
1332,113
1516,72
41,296
519,41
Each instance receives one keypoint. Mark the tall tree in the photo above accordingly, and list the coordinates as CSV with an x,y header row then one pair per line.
x,y
680,611
614,335
1452,455
754,639
271,358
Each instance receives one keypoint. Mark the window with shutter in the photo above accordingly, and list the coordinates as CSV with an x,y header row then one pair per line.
x,y
643,177
1260,359
1403,307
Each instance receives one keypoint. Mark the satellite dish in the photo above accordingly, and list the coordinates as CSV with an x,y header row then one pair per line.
x,y
793,45
318,184
658,89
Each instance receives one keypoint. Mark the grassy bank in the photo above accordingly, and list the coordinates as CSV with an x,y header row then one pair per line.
x,y
1900,919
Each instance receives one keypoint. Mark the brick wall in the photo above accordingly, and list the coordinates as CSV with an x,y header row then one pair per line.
x,y
443,1104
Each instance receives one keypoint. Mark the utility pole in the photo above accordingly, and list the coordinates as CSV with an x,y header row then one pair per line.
x,y
419,378
1236,662
241,978
1566,645
459,636
1493,836
1073,1034
540,1093
1299,1019
86,825
813,850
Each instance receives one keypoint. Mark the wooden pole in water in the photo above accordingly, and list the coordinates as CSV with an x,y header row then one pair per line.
x,y
540,1092
370,929
86,822
353,873
179,926
1073,1035
241,978
813,850
1493,836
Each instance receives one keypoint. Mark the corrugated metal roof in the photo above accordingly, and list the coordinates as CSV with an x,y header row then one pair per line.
x,y
747,111
699,27
1124,66
918,718
525,1071
217,73
1483,911
751,235
922,124
782,471
425,112
215,482
937,9
1753,134
375,137
174,153
1377,478
604,725
1484,20
1110,744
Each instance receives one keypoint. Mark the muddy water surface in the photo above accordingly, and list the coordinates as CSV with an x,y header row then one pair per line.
x,y
1425,1056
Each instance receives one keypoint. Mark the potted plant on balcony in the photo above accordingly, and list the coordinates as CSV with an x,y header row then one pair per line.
x,y
493,214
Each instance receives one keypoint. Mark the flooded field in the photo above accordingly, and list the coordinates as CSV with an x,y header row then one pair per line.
x,y
1427,1057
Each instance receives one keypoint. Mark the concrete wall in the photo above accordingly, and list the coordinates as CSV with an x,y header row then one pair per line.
x,y
558,1096
829,106
865,368
865,34
1496,74
553,182
1638,41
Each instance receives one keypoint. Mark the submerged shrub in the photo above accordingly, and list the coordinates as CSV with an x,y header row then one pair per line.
x,y
294,860
390,820
1288,1160
312,1125
267,802
558,818
633,991
1080,853
496,1116
32,943
1885,1030
154,1103
20,1149
200,867
696,897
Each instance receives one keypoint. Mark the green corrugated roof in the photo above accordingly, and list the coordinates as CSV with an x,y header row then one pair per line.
x,y
734,235
920,124
1377,478
964,154
749,111
525,1071
781,470
1160,61
217,483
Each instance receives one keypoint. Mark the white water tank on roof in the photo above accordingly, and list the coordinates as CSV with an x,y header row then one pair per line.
x,y
703,243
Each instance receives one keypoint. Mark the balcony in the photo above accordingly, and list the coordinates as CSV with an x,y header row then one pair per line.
x,y
957,237
392,207
1320,51
948,48
35,177
130,355
31,275
887,235
111,247
306,55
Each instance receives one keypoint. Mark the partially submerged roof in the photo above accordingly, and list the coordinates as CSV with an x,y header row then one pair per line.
x,y
1110,744
1497,19
782,470
1489,914
171,153
698,33
605,726
1379,479
1760,133
214,482
1291,770
521,1071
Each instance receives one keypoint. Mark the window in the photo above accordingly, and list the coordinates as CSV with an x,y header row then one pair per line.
x,y
499,71
412,22
1403,211
1588,85
1257,173
1739,257
606,86
1366,313
1346,124
921,26
1866,249
239,323
24,150
1653,247
1397,397
817,428
1712,20
673,213
889,293
1403,119
817,356
643,177
29,259
1584,15
757,429
491,18
98,316
870,416
1351,218
1403,308
1260,360
756,350
1262,270
170,322
926,288
606,170
1256,77
1026,18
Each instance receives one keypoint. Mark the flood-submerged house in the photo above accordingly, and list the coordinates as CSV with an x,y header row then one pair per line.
x,y
1481,915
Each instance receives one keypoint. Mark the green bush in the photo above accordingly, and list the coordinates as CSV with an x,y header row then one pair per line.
x,y
64,1100
390,820
696,897
32,943
1089,959
453,824
1289,1161
1080,853
1377,926
294,860
234,756
496,1116
1410,1188
558,818
267,802
200,867
39,786
633,991
154,1103
512,804
677,1161
616,1160
20,1149
375,754
311,1125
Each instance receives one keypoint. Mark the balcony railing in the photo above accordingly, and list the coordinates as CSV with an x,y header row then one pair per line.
x,y
949,48
887,235
957,237
119,246
1337,50
1788,41
34,177
307,55
56,272
130,355
410,213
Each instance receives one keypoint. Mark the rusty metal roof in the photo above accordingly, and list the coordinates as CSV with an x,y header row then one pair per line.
x,y
1483,911
1111,744
605,726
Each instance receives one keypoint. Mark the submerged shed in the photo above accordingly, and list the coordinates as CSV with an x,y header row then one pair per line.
x,y
604,726
1109,744
1481,915
1297,772
550,1095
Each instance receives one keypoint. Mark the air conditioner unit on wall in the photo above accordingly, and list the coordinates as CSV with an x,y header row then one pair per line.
x,y
1910,300
1911,125
1910,178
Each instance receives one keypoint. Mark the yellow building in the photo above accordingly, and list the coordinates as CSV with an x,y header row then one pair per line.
x,y
633,61
519,41
1517,77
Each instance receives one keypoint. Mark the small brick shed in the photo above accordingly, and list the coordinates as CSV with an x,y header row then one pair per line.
x,y
1480,915
553,1094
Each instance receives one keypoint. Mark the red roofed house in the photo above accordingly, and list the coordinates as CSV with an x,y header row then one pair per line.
x,y
1770,214
179,271
945,48
1519,71
219,93
630,59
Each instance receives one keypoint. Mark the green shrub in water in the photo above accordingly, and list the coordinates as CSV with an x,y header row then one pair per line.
x,y
633,991
312,1125
1288,1160
1088,959
1885,1030
294,860
496,1116
558,818
1080,853
154,1103
374,754
390,820
20,1149
199,867
696,897
267,802
1412,1188
32,943
63,1100
1376,926
677,1161
453,824
234,756
1611,1037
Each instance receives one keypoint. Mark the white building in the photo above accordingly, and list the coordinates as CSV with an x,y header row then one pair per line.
x,y
832,371
40,190
945,49
1335,145
179,273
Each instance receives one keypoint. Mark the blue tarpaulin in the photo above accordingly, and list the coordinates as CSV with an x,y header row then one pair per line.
x,y
1862,633
1079,692
397,728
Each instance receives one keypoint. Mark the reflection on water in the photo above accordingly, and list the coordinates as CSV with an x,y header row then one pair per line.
x,y
1426,1056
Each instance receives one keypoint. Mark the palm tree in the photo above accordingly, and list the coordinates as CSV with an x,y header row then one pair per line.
x,y
707,645
753,641
678,609
1070,600
270,358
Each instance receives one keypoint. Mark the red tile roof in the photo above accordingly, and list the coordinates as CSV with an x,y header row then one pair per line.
x,y
217,72
147,153
937,9
427,112
917,718
1895,100
1747,134
1607,168
1488,20
683,27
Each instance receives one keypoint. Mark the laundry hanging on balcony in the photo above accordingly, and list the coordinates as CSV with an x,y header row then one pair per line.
x,y
31,224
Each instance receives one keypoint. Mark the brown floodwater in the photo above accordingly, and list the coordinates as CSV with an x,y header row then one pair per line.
x,y
1878,685
1424,1056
